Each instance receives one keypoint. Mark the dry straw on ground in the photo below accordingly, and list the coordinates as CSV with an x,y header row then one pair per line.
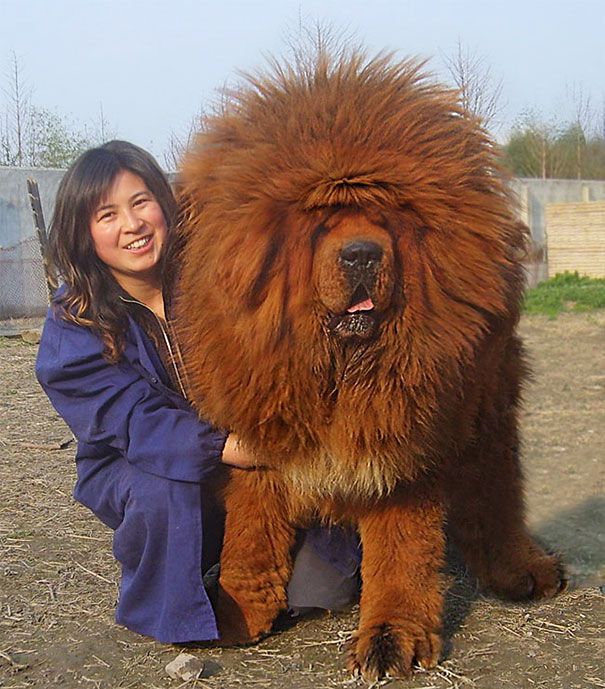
x,y
58,581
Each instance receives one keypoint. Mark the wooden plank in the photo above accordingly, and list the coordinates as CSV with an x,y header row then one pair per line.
x,y
38,215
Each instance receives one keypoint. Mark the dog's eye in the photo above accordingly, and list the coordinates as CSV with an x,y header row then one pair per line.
x,y
320,230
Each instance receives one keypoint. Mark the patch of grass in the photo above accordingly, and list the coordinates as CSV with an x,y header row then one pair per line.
x,y
20,533
566,292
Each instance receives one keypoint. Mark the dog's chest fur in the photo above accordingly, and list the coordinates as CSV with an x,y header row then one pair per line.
x,y
314,479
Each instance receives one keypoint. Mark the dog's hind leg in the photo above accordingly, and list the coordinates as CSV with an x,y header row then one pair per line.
x,y
402,588
255,560
485,492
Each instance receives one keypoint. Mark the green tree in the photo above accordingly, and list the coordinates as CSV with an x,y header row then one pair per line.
x,y
531,150
595,158
52,141
537,148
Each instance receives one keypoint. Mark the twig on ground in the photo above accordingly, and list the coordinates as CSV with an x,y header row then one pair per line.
x,y
94,574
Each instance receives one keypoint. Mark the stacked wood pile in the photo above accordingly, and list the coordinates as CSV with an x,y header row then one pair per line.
x,y
576,238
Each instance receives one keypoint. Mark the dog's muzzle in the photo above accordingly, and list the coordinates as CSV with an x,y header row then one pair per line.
x,y
359,262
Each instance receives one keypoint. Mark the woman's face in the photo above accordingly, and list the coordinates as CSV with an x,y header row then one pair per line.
x,y
128,230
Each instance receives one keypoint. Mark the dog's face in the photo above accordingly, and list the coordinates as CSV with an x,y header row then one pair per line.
x,y
353,275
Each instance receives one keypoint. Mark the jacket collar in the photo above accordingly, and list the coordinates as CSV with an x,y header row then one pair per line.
x,y
165,354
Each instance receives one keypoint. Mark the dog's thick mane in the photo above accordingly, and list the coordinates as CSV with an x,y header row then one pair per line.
x,y
289,150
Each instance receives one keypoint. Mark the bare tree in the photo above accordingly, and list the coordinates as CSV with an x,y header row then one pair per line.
x,y
16,115
543,149
583,122
103,127
480,93
178,144
5,148
100,130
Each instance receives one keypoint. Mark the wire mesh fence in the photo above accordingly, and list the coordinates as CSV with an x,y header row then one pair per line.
x,y
23,292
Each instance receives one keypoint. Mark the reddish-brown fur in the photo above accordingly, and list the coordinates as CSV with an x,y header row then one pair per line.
x,y
391,430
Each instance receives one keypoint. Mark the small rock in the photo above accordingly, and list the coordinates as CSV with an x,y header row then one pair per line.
x,y
31,336
186,667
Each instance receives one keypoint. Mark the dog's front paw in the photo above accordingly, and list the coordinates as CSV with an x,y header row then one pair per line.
x,y
392,650
232,627
245,619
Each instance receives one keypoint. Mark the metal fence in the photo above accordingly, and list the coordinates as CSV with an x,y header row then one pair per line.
x,y
22,280
23,292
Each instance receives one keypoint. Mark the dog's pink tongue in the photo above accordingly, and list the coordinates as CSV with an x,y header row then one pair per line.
x,y
366,305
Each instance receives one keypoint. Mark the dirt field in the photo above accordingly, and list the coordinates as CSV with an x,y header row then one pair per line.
x,y
58,579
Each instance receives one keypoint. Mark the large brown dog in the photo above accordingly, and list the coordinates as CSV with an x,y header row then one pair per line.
x,y
351,281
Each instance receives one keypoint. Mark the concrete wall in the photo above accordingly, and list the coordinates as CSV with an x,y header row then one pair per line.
x,y
22,288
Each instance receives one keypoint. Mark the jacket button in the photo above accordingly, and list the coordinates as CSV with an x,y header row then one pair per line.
x,y
154,380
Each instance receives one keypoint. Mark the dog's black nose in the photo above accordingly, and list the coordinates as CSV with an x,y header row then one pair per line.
x,y
360,254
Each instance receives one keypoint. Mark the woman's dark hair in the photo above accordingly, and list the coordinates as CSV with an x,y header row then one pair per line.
x,y
91,294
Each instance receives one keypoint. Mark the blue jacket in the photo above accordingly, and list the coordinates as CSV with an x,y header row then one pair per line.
x,y
133,433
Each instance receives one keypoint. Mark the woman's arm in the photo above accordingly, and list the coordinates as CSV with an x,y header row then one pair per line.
x,y
114,405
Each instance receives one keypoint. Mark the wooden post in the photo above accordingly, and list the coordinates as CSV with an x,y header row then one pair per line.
x,y
49,270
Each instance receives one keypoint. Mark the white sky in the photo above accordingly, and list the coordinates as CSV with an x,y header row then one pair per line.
x,y
151,64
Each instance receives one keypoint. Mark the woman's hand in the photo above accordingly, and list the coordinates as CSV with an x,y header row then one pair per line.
x,y
236,456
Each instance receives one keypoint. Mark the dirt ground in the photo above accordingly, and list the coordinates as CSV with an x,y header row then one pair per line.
x,y
58,581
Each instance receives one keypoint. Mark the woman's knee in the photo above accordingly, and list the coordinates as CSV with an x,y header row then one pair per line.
x,y
146,520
